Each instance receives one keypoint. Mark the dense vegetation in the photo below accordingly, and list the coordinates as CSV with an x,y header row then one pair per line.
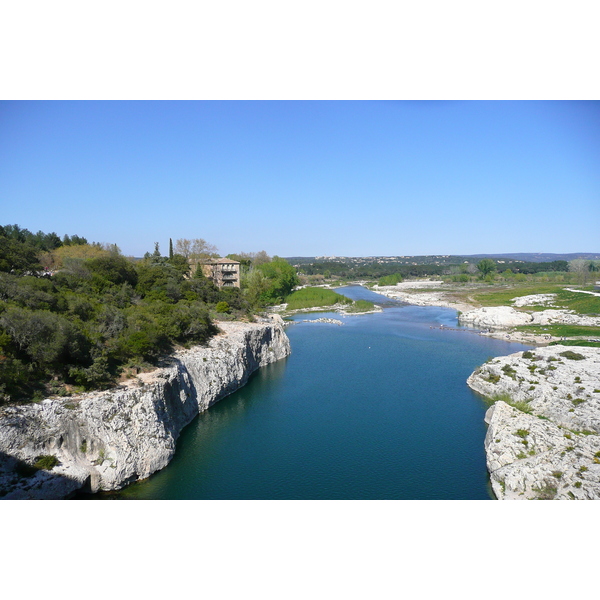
x,y
91,315
390,279
374,270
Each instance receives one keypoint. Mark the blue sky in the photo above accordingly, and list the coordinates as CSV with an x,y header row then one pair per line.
x,y
307,178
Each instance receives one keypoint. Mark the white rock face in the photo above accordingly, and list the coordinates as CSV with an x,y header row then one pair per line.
x,y
553,449
567,317
105,440
534,300
505,317
496,317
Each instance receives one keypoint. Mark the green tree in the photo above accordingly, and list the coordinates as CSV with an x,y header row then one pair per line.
x,y
180,263
114,269
196,248
18,256
50,340
581,269
282,279
390,279
486,267
255,286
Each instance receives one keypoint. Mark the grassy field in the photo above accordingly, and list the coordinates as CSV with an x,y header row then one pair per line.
x,y
562,330
360,306
503,295
576,343
311,297
584,304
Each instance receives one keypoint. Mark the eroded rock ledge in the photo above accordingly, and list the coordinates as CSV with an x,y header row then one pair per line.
x,y
543,440
106,440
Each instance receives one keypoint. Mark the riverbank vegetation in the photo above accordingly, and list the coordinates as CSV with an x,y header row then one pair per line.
x,y
360,306
76,316
312,297
315,297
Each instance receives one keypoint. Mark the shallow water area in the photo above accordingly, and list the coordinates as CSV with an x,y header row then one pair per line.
x,y
377,408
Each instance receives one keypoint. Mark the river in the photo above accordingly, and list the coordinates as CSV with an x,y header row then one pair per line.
x,y
377,408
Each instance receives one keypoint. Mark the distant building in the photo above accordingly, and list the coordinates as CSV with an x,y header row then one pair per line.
x,y
223,272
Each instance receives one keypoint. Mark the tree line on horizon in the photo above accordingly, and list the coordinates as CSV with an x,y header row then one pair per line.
x,y
386,272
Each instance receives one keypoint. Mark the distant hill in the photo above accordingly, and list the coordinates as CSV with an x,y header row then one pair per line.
x,y
539,256
536,257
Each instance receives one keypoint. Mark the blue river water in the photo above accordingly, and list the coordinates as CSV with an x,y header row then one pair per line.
x,y
377,408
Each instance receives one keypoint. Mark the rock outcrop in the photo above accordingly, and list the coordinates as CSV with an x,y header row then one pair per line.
x,y
543,439
106,440
495,317
504,317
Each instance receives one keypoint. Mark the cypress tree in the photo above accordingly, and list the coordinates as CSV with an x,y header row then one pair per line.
x,y
170,248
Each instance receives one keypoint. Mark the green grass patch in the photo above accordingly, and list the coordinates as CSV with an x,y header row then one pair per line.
x,y
584,304
562,330
47,462
572,355
312,297
584,343
360,306
504,397
504,296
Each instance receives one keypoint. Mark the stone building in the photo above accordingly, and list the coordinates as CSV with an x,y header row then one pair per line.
x,y
223,272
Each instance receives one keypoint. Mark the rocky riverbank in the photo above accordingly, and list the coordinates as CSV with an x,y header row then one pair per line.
x,y
415,292
494,321
106,440
543,440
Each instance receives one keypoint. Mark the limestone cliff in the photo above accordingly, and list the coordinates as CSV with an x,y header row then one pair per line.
x,y
543,439
105,440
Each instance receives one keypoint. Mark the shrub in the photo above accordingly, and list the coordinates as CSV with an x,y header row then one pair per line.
x,y
572,355
47,338
222,307
391,279
46,462
509,371
547,492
